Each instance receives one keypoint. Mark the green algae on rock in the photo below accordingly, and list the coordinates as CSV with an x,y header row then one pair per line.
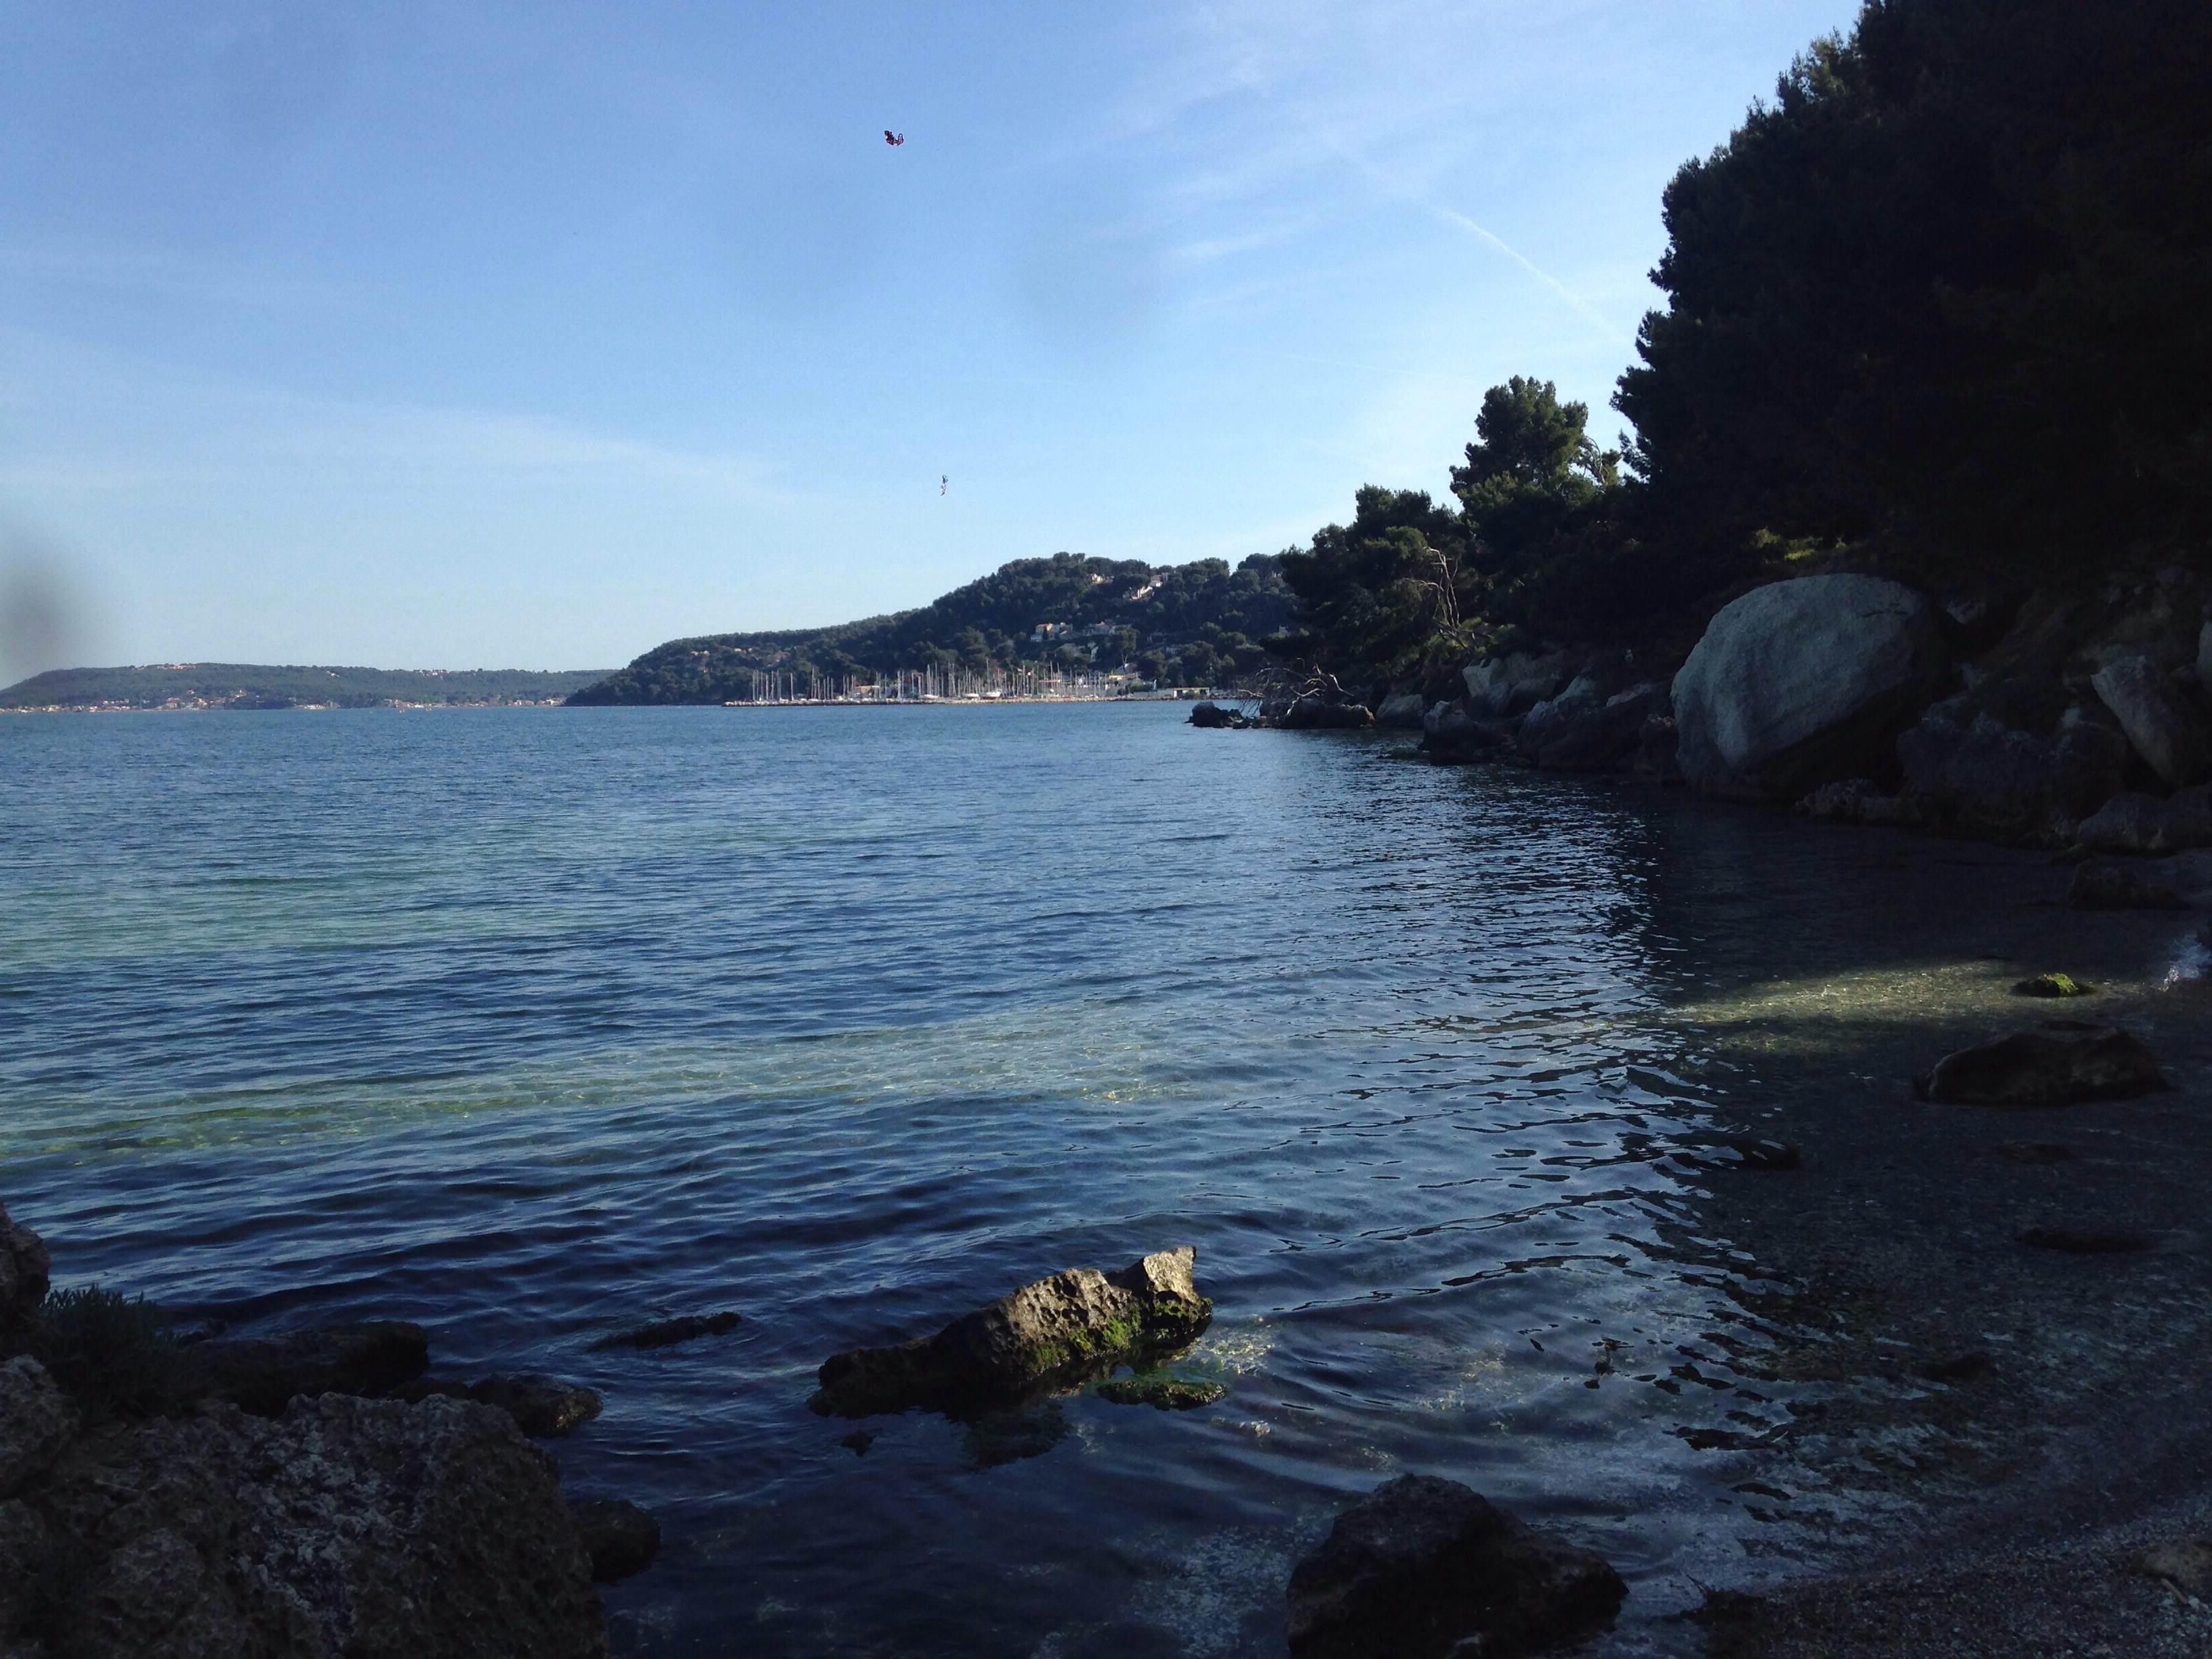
x,y
2052,985
1163,1391
1055,1329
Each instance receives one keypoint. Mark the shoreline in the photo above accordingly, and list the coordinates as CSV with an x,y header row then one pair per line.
x,y
1999,1430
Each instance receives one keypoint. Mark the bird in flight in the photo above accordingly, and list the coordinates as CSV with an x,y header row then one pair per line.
x,y
942,482
890,138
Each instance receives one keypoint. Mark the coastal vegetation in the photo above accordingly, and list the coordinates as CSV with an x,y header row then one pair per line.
x,y
1943,306
247,686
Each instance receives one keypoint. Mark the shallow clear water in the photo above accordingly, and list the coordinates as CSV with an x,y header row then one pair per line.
x,y
530,1024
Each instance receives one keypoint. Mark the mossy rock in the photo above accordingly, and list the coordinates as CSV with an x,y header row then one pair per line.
x,y
2052,985
1163,1391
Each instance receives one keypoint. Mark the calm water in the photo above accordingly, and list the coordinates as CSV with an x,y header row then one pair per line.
x,y
529,1025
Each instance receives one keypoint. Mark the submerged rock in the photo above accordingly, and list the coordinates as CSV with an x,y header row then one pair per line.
x,y
543,1407
620,1539
1058,1327
1804,681
347,1529
1424,1567
26,1272
2134,823
2050,1067
667,1333
1163,1391
262,1374
2119,887
2052,985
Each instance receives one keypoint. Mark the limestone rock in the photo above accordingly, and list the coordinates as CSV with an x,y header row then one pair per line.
x,y
667,1333
543,1407
1514,685
26,1271
2057,1066
1985,777
1318,711
1858,800
2119,887
1059,1328
2170,737
1580,731
1803,681
36,1421
347,1529
2134,823
620,1539
1213,716
1451,733
1422,1567
1403,710
261,1374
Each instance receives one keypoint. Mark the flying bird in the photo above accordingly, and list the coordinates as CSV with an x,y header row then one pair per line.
x,y
890,138
942,481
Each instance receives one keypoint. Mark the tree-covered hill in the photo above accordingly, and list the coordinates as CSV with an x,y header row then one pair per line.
x,y
1195,622
248,685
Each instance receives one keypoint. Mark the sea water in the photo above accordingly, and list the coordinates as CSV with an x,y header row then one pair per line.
x,y
530,1025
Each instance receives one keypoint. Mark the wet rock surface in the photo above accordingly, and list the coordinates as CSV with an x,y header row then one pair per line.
x,y
26,1270
1161,1391
371,1529
2047,1067
1058,1327
543,1407
620,1539
2120,887
1425,1567
667,1333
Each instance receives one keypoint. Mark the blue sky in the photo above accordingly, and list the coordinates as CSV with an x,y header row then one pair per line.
x,y
463,335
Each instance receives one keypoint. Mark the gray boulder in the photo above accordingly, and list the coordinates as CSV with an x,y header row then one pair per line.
x,y
2061,1064
1515,683
1859,800
1804,681
1319,711
1583,731
1424,1567
26,1272
2168,736
620,1539
1054,1330
1404,711
2134,823
347,1529
1452,733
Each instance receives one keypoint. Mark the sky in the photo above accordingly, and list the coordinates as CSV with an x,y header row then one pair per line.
x,y
468,335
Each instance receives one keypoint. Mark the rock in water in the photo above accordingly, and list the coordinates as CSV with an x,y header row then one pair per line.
x,y
667,1333
1403,710
347,1529
2134,823
543,1407
2118,887
1212,714
621,1537
2051,1067
262,1374
1422,1565
1802,682
25,1272
1058,1327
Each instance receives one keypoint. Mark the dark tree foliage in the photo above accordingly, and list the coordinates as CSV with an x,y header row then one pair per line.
x,y
1380,595
1952,287
987,624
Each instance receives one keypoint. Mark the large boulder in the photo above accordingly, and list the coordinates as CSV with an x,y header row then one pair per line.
x,y
620,1539
2062,1064
1451,733
26,1272
1424,1567
1802,682
2170,737
347,1529
1056,1329
1321,711
1403,710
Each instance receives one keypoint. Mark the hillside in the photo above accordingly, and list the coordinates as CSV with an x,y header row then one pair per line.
x,y
248,685
1191,624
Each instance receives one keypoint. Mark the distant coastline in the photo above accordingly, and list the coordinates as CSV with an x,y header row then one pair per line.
x,y
199,687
